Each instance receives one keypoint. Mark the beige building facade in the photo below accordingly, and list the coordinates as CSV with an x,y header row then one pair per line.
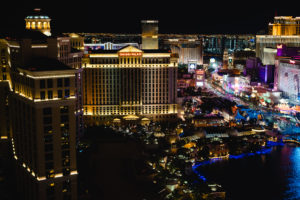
x,y
129,84
285,25
43,123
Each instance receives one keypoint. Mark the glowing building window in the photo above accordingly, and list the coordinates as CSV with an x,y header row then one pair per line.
x,y
33,25
28,25
39,25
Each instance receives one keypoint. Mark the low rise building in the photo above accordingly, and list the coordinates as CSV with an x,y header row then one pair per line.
x,y
208,120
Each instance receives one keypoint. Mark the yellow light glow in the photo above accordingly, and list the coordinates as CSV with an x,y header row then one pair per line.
x,y
27,25
14,46
33,25
221,157
58,175
54,76
54,99
41,178
104,55
74,172
258,130
39,25
39,46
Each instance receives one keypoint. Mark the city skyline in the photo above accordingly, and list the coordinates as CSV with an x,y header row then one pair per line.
x,y
117,100
173,18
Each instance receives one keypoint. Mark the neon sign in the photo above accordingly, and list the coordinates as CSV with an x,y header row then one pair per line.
x,y
133,54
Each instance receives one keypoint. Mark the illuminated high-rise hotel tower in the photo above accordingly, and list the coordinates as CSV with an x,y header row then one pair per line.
x,y
285,25
40,86
39,22
5,86
129,84
149,34
43,123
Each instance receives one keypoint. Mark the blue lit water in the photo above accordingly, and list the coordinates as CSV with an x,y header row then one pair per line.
x,y
272,176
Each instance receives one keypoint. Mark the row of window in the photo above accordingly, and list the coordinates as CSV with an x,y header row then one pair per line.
x,y
59,83
108,86
129,108
59,94
66,190
48,130
118,71
129,60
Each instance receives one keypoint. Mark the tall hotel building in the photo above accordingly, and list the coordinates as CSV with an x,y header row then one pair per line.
x,y
130,84
149,34
42,114
285,25
40,91
5,87
190,51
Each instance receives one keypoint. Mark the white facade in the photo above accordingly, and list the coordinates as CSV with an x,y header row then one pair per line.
x,y
288,78
263,41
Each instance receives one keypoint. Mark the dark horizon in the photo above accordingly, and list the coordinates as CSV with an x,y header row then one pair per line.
x,y
113,17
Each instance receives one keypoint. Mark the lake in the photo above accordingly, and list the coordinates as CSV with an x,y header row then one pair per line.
x,y
273,176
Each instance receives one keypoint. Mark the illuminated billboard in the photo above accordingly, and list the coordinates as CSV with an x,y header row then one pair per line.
x,y
288,80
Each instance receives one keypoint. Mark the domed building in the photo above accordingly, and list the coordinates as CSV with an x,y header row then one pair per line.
x,y
38,21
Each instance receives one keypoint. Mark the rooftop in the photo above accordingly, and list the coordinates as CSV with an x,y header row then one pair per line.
x,y
37,14
45,64
25,34
101,51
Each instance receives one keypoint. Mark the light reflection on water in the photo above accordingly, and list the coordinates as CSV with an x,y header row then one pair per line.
x,y
293,185
273,176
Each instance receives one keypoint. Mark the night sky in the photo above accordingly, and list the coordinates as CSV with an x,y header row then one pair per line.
x,y
113,16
